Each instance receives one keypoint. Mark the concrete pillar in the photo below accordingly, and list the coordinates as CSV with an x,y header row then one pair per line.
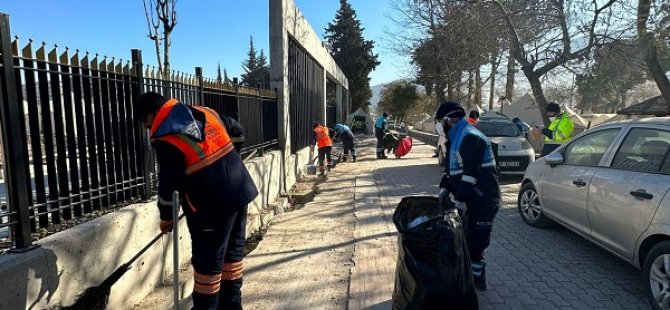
x,y
279,78
322,107
340,104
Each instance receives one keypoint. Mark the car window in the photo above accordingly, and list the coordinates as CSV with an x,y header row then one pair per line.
x,y
643,150
497,127
589,149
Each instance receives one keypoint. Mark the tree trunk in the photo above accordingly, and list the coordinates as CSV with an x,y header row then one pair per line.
x,y
439,91
538,93
494,68
511,72
478,86
650,52
450,87
166,54
471,90
651,58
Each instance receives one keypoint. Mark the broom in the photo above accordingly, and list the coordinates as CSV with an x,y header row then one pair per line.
x,y
97,297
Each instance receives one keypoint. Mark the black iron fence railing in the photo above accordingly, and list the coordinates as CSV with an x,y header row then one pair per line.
x,y
70,148
306,95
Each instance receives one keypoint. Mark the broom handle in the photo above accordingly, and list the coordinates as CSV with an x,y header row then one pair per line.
x,y
146,247
175,250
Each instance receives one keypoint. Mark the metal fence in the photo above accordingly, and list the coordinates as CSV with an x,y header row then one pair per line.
x,y
70,147
306,94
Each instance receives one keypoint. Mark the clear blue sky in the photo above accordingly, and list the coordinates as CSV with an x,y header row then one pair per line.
x,y
208,32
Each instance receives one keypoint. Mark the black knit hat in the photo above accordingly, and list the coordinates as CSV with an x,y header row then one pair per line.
x,y
147,103
553,107
451,109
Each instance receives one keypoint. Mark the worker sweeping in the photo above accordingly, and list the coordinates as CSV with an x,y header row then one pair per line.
x,y
197,158
344,133
321,138
380,128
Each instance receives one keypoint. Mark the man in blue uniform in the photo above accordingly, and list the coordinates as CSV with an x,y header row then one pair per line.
x,y
380,127
471,183
344,132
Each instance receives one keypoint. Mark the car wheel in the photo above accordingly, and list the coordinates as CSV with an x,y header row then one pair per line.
x,y
656,271
530,208
440,156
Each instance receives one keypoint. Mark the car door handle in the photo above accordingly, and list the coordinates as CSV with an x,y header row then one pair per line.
x,y
579,183
642,194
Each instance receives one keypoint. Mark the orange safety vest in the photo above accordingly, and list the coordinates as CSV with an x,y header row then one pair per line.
x,y
198,155
322,138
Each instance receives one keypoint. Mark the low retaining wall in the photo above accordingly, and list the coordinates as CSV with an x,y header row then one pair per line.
x,y
427,138
68,262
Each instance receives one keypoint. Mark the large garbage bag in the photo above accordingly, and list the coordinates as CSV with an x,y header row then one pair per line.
x,y
433,269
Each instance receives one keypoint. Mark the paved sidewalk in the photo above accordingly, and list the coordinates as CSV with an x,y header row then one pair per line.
x,y
339,251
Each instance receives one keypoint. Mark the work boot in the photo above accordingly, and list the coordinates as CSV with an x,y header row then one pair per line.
x,y
344,158
479,275
354,158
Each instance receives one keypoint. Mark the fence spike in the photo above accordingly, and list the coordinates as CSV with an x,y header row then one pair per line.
x,y
85,62
118,69
94,62
53,54
74,60
110,65
27,51
15,46
64,58
126,68
103,63
41,52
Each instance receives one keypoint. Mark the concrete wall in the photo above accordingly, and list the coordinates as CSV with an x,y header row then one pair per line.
x,y
68,262
427,138
287,22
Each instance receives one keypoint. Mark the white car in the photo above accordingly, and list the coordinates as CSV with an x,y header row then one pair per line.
x,y
514,151
610,185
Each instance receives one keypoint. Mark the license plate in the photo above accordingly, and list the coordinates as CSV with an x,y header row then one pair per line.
x,y
509,164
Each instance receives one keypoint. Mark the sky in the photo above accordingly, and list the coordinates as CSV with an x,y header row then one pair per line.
x,y
208,32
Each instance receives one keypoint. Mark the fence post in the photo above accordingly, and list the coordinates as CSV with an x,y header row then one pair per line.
x,y
136,56
16,177
260,103
201,88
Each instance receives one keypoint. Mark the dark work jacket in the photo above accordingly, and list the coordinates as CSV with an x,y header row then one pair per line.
x,y
209,194
485,194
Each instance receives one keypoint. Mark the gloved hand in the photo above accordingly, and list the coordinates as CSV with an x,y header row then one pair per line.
x,y
548,133
166,226
447,183
458,204
464,192
443,196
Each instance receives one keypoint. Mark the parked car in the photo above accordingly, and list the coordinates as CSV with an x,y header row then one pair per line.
x,y
610,185
514,151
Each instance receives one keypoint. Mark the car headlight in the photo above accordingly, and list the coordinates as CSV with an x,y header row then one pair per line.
x,y
525,145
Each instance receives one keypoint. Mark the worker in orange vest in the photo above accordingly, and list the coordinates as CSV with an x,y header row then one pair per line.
x,y
197,158
322,140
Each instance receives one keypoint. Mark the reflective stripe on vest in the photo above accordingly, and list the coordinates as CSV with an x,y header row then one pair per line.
x,y
198,155
322,138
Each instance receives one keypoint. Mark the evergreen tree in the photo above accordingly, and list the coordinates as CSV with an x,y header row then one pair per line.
x,y
250,65
263,70
352,53
225,76
219,78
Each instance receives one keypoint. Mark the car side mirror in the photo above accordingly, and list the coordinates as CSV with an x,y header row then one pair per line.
x,y
554,159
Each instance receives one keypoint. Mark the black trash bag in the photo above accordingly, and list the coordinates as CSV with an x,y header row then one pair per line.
x,y
433,269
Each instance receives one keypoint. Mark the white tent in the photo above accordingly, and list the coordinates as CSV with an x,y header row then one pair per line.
x,y
600,119
354,120
526,109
